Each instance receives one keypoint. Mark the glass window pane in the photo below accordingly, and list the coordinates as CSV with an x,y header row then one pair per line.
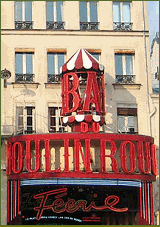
x,y
93,12
119,68
49,11
131,121
29,110
116,12
51,64
29,64
59,8
121,123
29,121
96,56
83,11
52,111
129,64
52,121
20,110
20,121
19,63
28,11
18,11
60,61
126,12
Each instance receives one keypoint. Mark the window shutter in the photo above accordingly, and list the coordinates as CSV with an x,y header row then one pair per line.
x,y
29,63
59,8
25,118
126,12
121,123
49,11
60,61
119,68
34,119
28,11
19,63
93,12
129,64
116,12
18,11
83,11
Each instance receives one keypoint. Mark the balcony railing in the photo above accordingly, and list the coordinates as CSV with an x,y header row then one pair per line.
x,y
23,25
21,78
89,25
125,79
122,26
53,78
50,25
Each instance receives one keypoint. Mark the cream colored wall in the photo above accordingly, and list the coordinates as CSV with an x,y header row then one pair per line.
x,y
107,42
71,15
72,39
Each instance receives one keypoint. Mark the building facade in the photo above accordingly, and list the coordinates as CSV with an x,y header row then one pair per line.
x,y
38,37
154,56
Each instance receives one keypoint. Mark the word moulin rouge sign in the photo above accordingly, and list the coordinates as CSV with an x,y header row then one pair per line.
x,y
127,154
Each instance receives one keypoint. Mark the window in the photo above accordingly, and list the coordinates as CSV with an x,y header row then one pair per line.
x,y
88,15
122,16
54,15
24,67
124,68
25,119
19,114
23,15
55,62
127,120
55,120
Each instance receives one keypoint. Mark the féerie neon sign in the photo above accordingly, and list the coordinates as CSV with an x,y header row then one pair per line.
x,y
71,206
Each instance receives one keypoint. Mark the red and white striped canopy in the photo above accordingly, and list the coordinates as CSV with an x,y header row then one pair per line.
x,y
82,59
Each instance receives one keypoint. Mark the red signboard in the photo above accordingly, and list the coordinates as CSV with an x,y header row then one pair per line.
x,y
136,155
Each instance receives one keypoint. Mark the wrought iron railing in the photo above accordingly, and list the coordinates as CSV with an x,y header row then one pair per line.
x,y
23,25
59,25
125,79
89,25
122,26
20,78
53,78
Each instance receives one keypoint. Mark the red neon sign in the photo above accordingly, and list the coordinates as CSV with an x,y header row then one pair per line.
x,y
94,94
71,206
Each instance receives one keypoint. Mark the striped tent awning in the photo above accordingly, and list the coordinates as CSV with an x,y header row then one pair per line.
x,y
81,60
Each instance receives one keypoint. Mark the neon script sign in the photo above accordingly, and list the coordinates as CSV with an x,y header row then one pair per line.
x,y
71,206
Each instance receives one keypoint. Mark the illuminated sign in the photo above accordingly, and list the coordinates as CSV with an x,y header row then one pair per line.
x,y
126,156
71,206
75,204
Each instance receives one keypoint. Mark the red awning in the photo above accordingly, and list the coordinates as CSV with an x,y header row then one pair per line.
x,y
82,59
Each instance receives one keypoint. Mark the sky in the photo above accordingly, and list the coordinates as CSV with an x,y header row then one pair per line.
x,y
153,16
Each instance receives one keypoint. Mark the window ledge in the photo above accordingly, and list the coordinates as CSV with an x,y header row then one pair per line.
x,y
127,86
26,85
52,85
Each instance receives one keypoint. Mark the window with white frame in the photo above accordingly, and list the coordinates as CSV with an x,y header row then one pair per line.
x,y
54,63
23,15
24,67
54,15
122,16
25,119
127,120
124,68
88,11
55,120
